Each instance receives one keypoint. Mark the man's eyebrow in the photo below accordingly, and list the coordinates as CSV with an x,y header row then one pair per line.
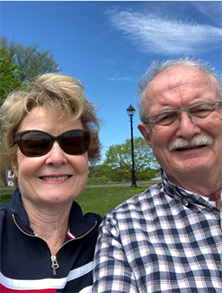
x,y
166,108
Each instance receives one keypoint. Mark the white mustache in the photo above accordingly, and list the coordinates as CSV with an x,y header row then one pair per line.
x,y
181,143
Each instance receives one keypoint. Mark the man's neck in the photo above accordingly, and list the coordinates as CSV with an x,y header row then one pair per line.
x,y
206,186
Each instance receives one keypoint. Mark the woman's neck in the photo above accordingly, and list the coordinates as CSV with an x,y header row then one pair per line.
x,y
51,224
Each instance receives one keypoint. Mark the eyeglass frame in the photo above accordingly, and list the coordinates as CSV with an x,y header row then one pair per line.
x,y
19,135
178,111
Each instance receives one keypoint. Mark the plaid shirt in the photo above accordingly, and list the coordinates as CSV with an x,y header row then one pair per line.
x,y
163,240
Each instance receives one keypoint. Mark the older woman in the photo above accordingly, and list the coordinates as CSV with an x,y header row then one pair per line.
x,y
47,136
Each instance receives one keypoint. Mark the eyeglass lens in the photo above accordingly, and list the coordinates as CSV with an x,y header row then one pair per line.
x,y
38,143
199,114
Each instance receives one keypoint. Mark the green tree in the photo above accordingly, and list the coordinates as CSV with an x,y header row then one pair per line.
x,y
19,65
118,161
96,175
8,78
96,171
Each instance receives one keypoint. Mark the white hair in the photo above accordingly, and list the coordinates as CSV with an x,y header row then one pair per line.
x,y
155,69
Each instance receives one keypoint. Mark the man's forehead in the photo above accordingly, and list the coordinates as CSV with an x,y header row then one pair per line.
x,y
175,76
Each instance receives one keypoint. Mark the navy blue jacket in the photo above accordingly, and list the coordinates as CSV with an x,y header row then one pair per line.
x,y
26,261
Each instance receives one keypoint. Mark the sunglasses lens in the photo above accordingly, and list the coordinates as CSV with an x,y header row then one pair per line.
x,y
35,143
38,143
75,142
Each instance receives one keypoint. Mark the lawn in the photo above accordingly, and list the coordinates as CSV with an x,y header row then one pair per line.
x,y
103,199
97,199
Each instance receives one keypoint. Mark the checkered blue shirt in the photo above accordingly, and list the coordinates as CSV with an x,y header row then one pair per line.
x,y
163,240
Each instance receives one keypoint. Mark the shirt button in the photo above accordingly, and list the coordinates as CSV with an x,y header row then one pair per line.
x,y
183,192
185,202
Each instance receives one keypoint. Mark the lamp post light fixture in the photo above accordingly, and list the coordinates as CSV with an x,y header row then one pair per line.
x,y
131,111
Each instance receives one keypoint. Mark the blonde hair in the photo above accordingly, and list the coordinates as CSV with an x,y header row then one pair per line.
x,y
58,93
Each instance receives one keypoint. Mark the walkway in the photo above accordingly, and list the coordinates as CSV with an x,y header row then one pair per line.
x,y
128,184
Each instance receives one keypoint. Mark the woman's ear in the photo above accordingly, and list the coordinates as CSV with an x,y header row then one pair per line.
x,y
14,169
145,133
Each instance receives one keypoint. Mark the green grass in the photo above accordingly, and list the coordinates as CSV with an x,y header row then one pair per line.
x,y
7,191
98,199
103,199
5,198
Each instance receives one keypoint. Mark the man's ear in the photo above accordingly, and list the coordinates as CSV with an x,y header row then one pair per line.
x,y
145,133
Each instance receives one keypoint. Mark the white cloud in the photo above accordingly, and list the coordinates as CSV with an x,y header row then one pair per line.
x,y
125,78
154,35
210,9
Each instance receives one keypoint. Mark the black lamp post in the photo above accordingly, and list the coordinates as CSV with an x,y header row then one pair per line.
x,y
130,110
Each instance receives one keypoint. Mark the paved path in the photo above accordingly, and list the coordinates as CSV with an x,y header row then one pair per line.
x,y
2,190
128,184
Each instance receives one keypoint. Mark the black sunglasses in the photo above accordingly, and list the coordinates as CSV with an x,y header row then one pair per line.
x,y
36,143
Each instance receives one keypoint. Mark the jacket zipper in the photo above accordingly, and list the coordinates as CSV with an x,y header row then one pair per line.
x,y
55,264
54,261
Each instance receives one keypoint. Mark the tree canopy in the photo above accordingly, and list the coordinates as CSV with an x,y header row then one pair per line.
x,y
20,64
8,78
117,165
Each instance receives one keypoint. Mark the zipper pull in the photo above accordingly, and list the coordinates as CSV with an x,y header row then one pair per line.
x,y
55,264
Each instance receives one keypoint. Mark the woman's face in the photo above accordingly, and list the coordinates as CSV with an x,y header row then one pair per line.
x,y
56,177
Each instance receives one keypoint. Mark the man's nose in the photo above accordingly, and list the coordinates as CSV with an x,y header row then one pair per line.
x,y
187,128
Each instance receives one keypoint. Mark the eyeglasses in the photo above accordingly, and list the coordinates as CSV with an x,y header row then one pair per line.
x,y
35,143
199,114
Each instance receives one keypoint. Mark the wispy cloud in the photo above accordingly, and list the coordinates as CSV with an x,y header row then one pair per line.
x,y
155,35
124,78
209,9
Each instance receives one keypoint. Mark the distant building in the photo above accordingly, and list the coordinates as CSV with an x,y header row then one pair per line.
x,y
10,178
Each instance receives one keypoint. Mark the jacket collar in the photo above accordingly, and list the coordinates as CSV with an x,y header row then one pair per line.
x,y
79,224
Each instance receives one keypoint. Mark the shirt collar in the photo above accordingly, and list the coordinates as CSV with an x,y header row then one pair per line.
x,y
181,194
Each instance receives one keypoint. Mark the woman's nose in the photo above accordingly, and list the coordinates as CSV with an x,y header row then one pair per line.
x,y
56,155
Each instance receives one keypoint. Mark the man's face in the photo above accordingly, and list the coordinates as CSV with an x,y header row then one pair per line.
x,y
177,88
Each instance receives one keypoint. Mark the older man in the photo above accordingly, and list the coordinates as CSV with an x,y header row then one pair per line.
x,y
169,238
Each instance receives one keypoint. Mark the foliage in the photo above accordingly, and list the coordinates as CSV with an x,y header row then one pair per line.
x,y
19,65
96,175
96,171
9,79
118,162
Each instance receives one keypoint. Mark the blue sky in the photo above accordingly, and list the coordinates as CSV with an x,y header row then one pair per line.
x,y
108,45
